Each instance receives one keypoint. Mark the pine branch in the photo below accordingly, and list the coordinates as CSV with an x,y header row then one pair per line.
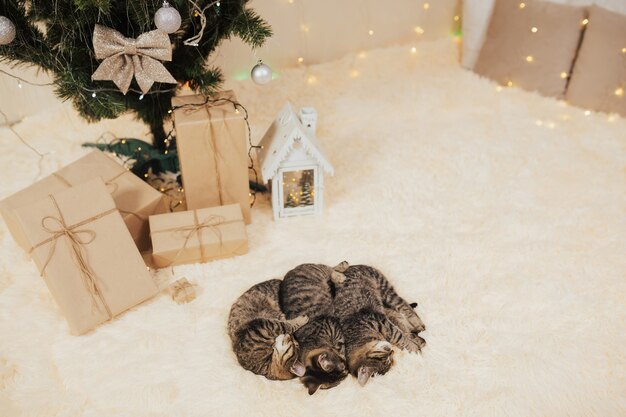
x,y
57,37
251,28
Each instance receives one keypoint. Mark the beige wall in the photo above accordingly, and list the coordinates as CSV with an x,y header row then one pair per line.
x,y
316,30
323,30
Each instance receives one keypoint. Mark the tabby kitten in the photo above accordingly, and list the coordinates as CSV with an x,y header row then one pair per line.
x,y
308,290
397,310
362,301
261,336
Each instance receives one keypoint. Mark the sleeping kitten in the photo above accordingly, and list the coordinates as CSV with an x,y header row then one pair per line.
x,y
397,310
361,302
261,336
308,290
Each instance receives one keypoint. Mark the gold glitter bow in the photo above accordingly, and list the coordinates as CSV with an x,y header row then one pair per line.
x,y
127,57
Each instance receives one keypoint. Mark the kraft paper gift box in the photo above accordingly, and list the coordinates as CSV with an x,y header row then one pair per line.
x,y
198,235
135,199
86,255
212,147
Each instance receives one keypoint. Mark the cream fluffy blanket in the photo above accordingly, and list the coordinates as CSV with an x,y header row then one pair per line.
x,y
502,213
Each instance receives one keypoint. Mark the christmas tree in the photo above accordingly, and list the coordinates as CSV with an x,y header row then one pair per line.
x,y
307,198
56,36
291,201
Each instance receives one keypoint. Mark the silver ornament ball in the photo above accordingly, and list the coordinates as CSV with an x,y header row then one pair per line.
x,y
261,73
167,18
7,31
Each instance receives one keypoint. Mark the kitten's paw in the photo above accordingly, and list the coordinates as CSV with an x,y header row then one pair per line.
x,y
415,344
342,266
416,323
337,278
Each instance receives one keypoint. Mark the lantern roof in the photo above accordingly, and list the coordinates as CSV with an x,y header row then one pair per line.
x,y
286,132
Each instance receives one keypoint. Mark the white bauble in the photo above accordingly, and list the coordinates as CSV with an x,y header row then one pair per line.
x,y
167,18
7,31
261,73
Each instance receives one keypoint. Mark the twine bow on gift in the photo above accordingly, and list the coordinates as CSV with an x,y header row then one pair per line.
x,y
212,223
127,57
77,239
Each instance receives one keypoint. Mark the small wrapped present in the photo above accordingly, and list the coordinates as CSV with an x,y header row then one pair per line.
x,y
212,142
182,291
198,235
135,199
86,255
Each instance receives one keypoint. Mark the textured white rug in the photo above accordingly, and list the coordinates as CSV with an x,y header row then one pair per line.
x,y
501,213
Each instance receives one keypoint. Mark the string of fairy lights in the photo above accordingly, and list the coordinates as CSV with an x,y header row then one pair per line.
x,y
301,60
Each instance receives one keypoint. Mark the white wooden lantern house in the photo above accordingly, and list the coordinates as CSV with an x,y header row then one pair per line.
x,y
293,163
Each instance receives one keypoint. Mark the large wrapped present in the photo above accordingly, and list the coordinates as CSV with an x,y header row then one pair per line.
x,y
211,137
198,235
85,254
135,199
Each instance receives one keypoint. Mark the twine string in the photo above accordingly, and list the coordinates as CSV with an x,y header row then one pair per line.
x,y
212,223
111,182
77,239
41,156
216,157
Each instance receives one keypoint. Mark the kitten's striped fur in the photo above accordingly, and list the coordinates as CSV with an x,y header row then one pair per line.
x,y
261,336
363,301
308,290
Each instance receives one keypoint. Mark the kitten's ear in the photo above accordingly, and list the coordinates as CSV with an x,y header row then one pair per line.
x,y
325,363
342,266
312,386
298,369
364,375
